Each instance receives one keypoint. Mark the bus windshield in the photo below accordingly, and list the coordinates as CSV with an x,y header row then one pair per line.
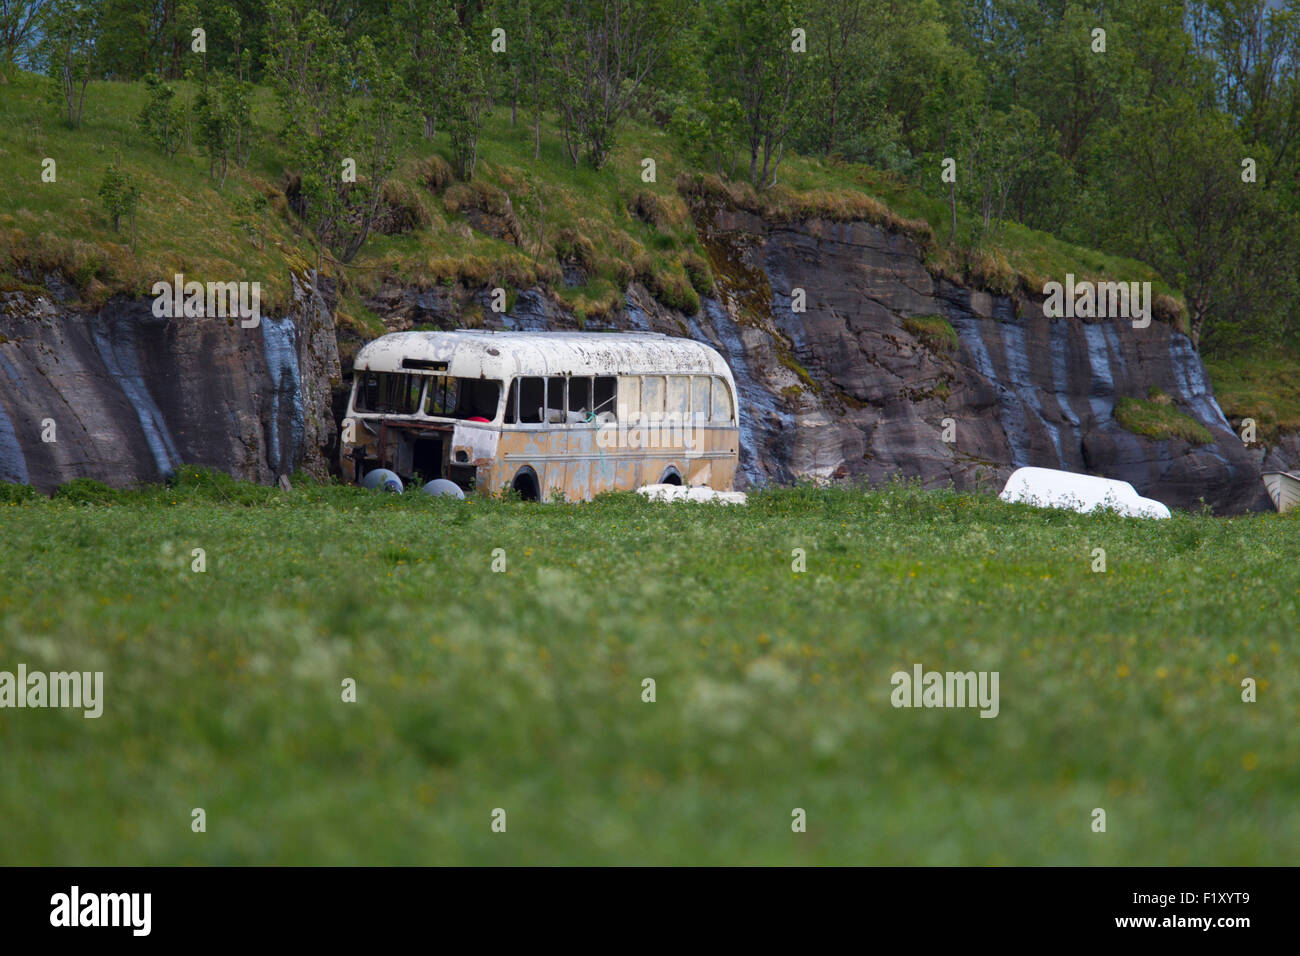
x,y
463,398
399,393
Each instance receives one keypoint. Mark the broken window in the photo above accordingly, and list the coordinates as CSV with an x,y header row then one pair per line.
x,y
604,392
527,396
479,398
442,397
555,399
462,398
389,393
580,397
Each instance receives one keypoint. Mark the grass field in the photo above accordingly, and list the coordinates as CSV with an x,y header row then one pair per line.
x,y
522,690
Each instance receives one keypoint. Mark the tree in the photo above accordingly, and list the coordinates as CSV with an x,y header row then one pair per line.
x,y
423,26
222,112
159,120
531,27
120,196
19,22
343,106
753,50
464,97
69,34
1255,48
1179,200
603,53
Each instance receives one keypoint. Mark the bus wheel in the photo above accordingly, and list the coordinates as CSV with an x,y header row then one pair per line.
x,y
671,477
527,485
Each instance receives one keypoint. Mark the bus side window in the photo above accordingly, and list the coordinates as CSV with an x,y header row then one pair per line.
x,y
629,397
479,398
700,398
652,396
512,403
532,392
722,411
679,396
603,398
579,399
555,399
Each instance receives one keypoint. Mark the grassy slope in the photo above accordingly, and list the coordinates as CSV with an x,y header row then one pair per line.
x,y
184,221
185,224
1259,385
521,690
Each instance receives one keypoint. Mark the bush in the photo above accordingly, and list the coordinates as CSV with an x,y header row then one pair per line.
x,y
86,491
120,195
17,494
161,122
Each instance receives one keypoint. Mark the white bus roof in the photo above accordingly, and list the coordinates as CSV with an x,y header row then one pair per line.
x,y
472,353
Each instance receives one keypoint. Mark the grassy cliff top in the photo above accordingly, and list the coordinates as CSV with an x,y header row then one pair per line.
x,y
609,222
612,224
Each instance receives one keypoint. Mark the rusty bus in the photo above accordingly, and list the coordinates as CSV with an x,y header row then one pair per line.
x,y
544,413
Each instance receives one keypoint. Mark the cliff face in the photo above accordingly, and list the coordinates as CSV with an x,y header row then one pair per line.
x,y
132,396
845,389
842,389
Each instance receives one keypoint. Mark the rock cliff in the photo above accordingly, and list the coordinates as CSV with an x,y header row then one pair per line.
x,y
131,396
868,381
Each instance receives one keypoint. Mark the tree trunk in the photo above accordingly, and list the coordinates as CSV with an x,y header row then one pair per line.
x,y
952,205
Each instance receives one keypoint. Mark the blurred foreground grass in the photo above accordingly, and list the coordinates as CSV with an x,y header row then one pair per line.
x,y
522,690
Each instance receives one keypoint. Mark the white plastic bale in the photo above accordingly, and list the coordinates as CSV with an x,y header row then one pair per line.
x,y
1050,488
692,493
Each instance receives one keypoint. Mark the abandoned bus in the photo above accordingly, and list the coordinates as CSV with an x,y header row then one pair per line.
x,y
544,413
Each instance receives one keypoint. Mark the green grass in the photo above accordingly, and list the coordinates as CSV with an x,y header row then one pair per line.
x,y
1157,418
933,331
1262,386
522,690
623,228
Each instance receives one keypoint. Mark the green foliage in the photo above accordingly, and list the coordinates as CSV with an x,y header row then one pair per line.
x,y
161,121
69,48
1157,418
119,194
934,331
12,494
344,145
85,491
